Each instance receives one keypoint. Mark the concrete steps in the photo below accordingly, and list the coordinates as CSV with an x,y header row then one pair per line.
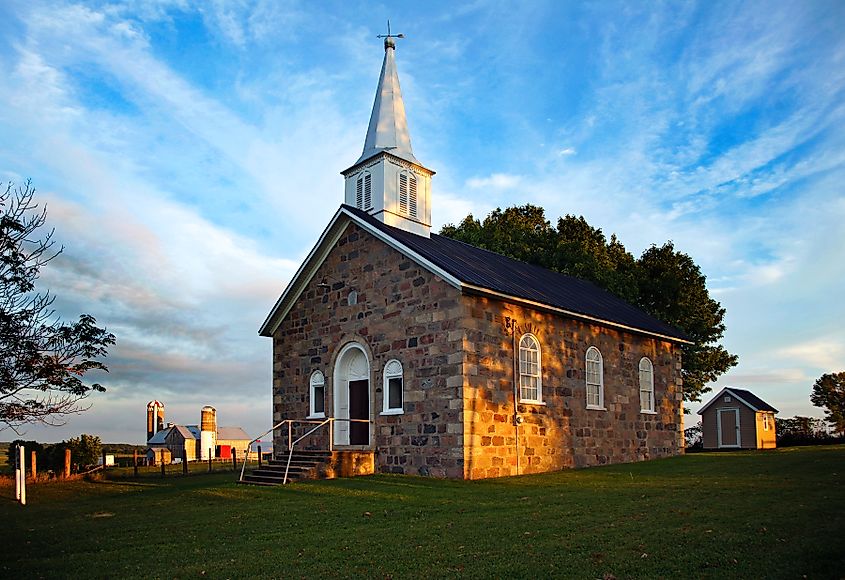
x,y
303,465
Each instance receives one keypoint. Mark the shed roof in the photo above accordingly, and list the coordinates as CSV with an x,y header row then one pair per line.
x,y
232,433
748,398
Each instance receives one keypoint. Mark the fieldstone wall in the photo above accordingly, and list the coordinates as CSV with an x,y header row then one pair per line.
x,y
400,311
457,353
562,432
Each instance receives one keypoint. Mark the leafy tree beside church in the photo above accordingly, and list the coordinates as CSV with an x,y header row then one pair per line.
x,y
664,282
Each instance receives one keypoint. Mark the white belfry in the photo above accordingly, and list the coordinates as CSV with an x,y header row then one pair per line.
x,y
387,181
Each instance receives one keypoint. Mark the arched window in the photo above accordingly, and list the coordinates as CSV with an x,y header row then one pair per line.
x,y
530,370
595,379
646,386
408,194
364,191
317,395
393,388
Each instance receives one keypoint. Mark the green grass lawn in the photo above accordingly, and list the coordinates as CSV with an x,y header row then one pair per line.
x,y
776,514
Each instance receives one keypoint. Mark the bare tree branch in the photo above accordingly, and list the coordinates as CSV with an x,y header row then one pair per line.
x,y
42,359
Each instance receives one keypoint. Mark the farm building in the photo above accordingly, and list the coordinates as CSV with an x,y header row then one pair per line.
x,y
158,454
414,353
737,419
199,442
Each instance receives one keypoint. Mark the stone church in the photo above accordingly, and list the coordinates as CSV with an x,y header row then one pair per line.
x,y
422,355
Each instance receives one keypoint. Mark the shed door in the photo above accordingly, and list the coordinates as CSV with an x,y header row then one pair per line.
x,y
728,424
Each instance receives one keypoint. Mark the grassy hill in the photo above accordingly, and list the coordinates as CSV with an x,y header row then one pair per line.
x,y
773,514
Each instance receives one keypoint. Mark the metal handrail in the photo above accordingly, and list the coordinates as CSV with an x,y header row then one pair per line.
x,y
291,443
330,421
246,455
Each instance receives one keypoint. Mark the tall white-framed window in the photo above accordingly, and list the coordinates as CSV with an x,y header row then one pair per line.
x,y
530,370
595,379
765,421
646,386
364,191
407,194
317,395
394,387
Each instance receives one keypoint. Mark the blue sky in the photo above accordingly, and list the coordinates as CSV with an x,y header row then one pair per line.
x,y
189,154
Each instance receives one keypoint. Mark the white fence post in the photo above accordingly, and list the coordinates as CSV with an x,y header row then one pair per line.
x,y
17,457
22,475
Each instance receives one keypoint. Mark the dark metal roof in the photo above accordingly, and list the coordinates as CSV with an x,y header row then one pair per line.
x,y
503,275
748,398
753,400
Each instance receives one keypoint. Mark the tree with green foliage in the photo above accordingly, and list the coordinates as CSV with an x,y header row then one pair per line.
x,y
85,450
801,430
664,282
42,359
829,393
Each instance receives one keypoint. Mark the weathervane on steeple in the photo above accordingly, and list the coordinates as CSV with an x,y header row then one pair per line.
x,y
388,38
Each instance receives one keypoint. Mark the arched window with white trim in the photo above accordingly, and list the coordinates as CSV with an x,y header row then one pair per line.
x,y
394,386
595,379
317,395
530,370
646,386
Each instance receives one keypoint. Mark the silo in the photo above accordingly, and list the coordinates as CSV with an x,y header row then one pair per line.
x,y
155,418
208,432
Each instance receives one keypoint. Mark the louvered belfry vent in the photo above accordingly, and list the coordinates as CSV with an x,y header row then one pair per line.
x,y
412,194
368,191
403,193
359,194
364,191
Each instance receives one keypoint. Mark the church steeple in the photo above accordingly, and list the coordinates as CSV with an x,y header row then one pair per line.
x,y
388,130
387,180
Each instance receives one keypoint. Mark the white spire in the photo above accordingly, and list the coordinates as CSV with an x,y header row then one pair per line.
x,y
388,130
387,181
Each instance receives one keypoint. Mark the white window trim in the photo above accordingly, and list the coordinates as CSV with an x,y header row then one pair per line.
x,y
317,379
600,406
386,409
539,399
765,421
653,410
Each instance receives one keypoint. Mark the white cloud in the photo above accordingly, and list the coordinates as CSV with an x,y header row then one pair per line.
x,y
496,181
824,353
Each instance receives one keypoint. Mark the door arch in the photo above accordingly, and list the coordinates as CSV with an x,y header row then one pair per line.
x,y
351,386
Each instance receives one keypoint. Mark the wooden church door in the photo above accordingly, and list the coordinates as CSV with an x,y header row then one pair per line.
x,y
359,408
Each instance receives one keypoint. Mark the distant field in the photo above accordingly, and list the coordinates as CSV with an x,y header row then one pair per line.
x,y
772,514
